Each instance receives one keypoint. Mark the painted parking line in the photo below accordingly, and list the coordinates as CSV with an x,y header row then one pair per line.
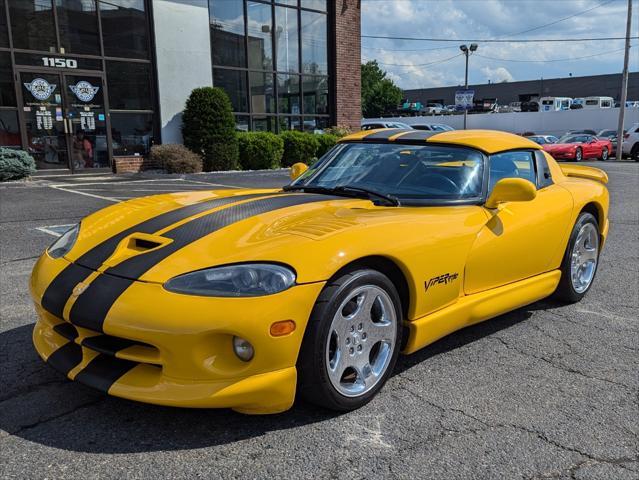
x,y
55,230
87,194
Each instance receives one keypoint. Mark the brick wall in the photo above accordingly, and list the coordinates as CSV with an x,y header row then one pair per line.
x,y
348,100
132,164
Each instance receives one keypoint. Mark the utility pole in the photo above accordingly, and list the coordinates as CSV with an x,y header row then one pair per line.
x,y
624,86
467,51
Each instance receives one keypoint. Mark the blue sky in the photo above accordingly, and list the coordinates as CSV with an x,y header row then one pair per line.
x,y
494,19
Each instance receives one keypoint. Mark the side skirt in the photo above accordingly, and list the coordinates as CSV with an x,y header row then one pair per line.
x,y
478,307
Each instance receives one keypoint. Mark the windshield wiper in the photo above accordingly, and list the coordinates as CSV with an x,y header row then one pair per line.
x,y
392,199
347,190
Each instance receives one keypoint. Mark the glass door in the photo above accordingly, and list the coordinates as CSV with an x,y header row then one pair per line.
x,y
44,121
86,122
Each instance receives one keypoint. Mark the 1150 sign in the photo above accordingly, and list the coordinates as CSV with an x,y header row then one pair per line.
x,y
59,62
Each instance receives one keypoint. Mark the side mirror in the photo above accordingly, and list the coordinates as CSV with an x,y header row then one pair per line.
x,y
511,190
297,170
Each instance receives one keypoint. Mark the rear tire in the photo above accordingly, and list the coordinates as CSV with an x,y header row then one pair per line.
x,y
352,341
634,153
580,262
604,154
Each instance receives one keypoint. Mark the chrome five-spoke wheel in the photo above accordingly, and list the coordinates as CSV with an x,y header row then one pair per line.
x,y
584,258
362,337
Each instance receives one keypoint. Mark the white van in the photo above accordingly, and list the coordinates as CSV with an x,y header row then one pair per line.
x,y
599,102
554,104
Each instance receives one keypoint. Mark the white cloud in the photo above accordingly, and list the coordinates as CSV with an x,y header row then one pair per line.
x,y
404,60
497,75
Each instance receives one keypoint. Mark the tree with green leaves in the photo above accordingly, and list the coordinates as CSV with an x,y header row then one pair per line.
x,y
379,94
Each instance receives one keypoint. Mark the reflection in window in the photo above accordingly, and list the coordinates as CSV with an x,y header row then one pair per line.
x,y
78,26
264,124
262,96
288,93
4,32
7,92
32,24
124,28
260,27
132,133
290,123
286,39
315,94
314,4
314,57
129,85
233,82
227,33
241,123
9,133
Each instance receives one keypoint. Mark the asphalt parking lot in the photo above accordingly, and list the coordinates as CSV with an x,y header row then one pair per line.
x,y
547,391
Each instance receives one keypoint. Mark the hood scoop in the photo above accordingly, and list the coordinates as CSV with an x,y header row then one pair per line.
x,y
135,244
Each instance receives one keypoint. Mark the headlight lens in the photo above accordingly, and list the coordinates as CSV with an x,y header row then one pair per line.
x,y
64,243
244,280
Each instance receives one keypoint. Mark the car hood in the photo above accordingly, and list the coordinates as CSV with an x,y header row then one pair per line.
x,y
305,231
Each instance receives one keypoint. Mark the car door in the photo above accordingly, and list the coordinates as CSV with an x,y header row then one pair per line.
x,y
519,239
592,149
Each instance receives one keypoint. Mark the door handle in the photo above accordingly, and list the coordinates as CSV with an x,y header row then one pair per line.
x,y
66,128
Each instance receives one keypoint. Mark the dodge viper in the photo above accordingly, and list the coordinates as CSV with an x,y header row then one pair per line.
x,y
246,298
579,147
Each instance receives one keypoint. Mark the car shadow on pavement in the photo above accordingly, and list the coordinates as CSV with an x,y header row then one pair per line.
x,y
40,405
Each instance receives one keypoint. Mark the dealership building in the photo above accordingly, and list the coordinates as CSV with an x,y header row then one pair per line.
x,y
92,84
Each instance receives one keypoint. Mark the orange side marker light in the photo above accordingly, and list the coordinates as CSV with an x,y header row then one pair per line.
x,y
281,328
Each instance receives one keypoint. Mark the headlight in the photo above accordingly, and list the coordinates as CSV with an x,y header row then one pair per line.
x,y
64,243
243,280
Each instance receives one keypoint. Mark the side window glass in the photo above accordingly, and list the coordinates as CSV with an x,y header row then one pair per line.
x,y
544,177
518,164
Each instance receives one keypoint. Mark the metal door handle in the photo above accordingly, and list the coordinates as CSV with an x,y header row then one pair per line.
x,y
66,128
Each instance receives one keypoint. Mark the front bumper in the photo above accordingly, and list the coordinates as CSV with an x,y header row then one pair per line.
x,y
170,349
568,155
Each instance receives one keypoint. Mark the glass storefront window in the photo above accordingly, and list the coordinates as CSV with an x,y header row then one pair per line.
x,y
234,84
32,24
4,32
315,124
129,85
78,26
9,133
314,50
7,92
315,91
260,28
262,94
227,33
241,123
264,124
132,133
288,93
124,28
286,39
314,4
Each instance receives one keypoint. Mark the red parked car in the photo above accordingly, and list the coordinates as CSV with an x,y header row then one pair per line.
x,y
579,147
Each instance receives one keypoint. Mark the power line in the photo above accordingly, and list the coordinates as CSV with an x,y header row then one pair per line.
x,y
419,64
407,50
498,40
551,60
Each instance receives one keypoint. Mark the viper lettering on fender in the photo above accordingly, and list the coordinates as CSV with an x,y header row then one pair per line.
x,y
445,279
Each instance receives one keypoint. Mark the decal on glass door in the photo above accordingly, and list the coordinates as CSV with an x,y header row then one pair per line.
x,y
84,91
40,88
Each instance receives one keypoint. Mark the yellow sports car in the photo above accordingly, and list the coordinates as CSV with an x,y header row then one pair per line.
x,y
243,298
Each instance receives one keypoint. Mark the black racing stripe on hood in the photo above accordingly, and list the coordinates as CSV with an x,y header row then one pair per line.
x,y
103,371
66,358
60,289
92,306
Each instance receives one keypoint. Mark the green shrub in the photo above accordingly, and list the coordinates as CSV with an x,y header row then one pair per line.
x,y
176,158
260,150
339,131
15,164
326,142
299,147
208,128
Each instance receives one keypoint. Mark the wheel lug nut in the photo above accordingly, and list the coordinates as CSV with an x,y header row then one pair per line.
x,y
359,327
352,328
348,341
359,348
350,350
364,336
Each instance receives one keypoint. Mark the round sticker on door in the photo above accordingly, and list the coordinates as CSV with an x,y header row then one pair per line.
x,y
84,90
40,88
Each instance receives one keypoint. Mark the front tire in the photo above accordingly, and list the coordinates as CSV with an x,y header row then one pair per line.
x,y
604,154
351,342
579,266
579,155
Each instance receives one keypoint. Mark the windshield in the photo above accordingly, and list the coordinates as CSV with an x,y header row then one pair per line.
x,y
417,173
539,140
573,139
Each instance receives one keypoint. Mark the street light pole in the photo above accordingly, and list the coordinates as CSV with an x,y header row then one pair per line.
x,y
467,51
624,87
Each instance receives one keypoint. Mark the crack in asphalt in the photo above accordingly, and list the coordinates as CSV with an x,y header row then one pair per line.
x,y
19,259
32,388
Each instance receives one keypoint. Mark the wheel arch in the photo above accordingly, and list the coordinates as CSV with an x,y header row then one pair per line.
x,y
596,210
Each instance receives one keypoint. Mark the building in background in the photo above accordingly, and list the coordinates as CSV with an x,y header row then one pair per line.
x,y
88,84
504,93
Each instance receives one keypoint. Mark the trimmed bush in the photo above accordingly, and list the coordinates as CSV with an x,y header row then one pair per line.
x,y
176,158
326,142
15,164
299,147
260,150
208,128
339,131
